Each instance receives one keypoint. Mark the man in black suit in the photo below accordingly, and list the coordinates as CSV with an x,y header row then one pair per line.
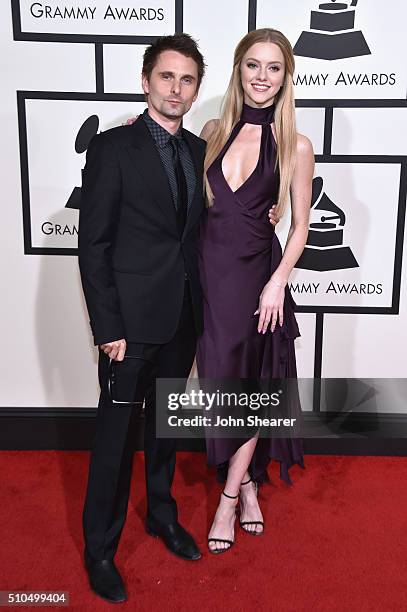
x,y
138,232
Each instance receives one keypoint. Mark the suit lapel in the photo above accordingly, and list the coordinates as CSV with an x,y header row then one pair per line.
x,y
197,203
146,159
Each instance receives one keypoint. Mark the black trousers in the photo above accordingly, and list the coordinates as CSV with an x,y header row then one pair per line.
x,y
111,458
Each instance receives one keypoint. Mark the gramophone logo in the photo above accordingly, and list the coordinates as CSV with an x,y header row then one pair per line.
x,y
324,249
332,34
85,134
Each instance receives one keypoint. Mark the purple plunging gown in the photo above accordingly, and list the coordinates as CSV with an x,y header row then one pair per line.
x,y
239,252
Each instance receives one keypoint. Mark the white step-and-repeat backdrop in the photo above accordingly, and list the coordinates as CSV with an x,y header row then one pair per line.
x,y
70,69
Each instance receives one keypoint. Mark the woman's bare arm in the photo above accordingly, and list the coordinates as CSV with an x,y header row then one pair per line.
x,y
272,297
301,190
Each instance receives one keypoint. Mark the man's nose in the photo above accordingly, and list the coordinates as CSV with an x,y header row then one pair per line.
x,y
176,86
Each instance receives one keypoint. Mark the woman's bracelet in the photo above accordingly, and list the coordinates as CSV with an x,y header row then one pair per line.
x,y
278,284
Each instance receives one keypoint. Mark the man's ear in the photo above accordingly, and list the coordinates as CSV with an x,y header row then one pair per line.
x,y
196,95
145,84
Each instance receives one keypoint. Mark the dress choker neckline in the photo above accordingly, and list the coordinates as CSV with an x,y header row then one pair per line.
x,y
257,116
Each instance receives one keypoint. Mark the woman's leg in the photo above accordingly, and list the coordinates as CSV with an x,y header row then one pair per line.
x,y
223,523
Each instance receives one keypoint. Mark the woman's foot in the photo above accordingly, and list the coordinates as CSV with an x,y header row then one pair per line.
x,y
222,533
251,518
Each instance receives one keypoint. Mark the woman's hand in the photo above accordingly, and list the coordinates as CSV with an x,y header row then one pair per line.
x,y
270,308
131,120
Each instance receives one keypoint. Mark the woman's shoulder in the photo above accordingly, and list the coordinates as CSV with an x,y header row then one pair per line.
x,y
208,128
304,145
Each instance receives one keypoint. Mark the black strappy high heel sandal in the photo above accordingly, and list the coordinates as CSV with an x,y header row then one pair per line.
x,y
216,551
242,523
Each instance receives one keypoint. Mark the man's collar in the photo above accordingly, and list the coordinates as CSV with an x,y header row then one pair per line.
x,y
160,134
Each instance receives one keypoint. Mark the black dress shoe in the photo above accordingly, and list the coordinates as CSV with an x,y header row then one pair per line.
x,y
105,579
176,539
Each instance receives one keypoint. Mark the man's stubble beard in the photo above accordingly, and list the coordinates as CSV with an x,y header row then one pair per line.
x,y
174,113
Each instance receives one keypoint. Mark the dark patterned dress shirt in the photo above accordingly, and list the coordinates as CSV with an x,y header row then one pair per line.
x,y
161,138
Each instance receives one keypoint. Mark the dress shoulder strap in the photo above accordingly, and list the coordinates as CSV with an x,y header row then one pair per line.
x,y
235,130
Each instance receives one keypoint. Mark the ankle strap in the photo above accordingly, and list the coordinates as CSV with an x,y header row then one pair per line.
x,y
247,481
230,496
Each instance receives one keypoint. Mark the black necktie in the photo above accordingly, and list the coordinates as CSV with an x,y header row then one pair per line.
x,y
182,200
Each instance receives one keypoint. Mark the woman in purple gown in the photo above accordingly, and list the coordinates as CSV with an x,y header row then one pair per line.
x,y
254,158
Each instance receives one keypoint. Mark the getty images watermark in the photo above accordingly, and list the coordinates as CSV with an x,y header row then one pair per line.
x,y
221,399
232,408
329,408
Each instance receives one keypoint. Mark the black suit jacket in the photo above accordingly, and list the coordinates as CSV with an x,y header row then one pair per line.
x,y
131,257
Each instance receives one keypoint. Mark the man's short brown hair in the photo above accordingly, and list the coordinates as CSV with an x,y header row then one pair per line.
x,y
183,43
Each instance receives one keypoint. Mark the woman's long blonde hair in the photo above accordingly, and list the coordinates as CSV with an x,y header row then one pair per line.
x,y
284,117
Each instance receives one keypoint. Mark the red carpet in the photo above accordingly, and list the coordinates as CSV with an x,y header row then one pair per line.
x,y
336,540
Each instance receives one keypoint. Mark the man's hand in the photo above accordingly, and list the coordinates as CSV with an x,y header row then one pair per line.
x,y
272,215
115,350
131,120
